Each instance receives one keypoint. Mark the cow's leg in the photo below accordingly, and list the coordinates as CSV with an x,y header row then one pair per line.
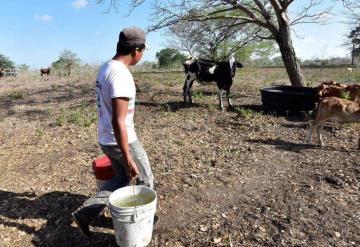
x,y
190,77
190,91
359,142
314,125
185,90
221,93
228,98
319,134
186,87
310,133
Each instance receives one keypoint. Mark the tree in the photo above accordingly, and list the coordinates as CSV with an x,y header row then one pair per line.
x,y
6,62
270,16
354,8
354,38
216,39
146,66
169,57
277,61
23,68
66,62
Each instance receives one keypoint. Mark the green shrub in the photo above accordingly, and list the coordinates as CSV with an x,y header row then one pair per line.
x,y
309,83
345,94
39,132
16,95
83,115
197,94
75,117
60,120
246,113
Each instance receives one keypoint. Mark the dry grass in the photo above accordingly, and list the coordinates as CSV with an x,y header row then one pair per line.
x,y
258,77
236,178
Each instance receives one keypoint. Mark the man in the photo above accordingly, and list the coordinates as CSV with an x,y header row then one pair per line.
x,y
115,99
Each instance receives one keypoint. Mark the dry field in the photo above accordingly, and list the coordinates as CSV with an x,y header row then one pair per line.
x,y
232,178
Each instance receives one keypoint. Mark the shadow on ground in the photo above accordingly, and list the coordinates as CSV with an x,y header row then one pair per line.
x,y
54,209
294,147
172,106
281,144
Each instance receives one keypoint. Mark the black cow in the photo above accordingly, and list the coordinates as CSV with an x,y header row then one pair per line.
x,y
205,71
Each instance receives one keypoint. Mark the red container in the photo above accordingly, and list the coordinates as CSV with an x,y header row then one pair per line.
x,y
102,168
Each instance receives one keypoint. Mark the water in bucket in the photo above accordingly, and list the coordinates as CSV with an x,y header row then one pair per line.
x,y
133,209
134,200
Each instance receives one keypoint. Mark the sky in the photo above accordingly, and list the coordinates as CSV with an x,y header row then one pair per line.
x,y
36,33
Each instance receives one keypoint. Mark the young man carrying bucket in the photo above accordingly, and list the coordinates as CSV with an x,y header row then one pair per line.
x,y
115,99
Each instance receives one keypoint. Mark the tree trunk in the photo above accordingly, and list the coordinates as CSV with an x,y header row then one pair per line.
x,y
283,38
291,64
353,53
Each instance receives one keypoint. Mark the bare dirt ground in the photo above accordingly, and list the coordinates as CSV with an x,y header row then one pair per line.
x,y
232,178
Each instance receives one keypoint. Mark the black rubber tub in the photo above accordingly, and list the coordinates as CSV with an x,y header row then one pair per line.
x,y
285,100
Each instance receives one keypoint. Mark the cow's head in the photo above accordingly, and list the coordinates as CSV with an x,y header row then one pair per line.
x,y
327,91
238,64
323,89
234,63
188,62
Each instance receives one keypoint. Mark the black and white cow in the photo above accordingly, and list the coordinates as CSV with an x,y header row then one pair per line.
x,y
205,71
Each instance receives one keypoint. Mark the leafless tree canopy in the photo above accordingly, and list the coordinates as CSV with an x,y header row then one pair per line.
x,y
353,7
260,12
263,13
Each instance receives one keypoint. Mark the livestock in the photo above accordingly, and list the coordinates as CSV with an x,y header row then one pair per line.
x,y
45,72
349,69
334,89
206,71
340,110
325,84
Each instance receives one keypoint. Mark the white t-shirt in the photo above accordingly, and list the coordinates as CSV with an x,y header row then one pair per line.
x,y
112,81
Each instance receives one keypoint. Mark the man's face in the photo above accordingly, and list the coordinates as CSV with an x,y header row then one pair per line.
x,y
137,55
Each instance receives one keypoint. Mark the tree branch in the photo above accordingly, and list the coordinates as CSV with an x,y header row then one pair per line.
x,y
304,16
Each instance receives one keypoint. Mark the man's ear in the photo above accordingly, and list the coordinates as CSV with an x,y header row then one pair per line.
x,y
133,52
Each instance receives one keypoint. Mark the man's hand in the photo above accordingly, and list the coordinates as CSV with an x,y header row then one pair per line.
x,y
132,169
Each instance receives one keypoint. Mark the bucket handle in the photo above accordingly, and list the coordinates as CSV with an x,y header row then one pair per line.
x,y
133,217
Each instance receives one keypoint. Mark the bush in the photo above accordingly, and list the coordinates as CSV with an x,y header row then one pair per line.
x,y
16,95
83,116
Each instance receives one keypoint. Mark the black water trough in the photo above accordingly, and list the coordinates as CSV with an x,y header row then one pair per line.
x,y
285,100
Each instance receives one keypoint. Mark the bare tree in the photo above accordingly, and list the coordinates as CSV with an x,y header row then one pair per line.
x,y
271,16
353,6
353,38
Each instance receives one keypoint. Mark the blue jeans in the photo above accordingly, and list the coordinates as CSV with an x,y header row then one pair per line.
x,y
94,205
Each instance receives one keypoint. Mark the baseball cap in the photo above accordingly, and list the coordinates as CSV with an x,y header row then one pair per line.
x,y
132,36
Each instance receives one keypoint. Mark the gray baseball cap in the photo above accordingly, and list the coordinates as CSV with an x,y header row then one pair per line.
x,y
132,36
